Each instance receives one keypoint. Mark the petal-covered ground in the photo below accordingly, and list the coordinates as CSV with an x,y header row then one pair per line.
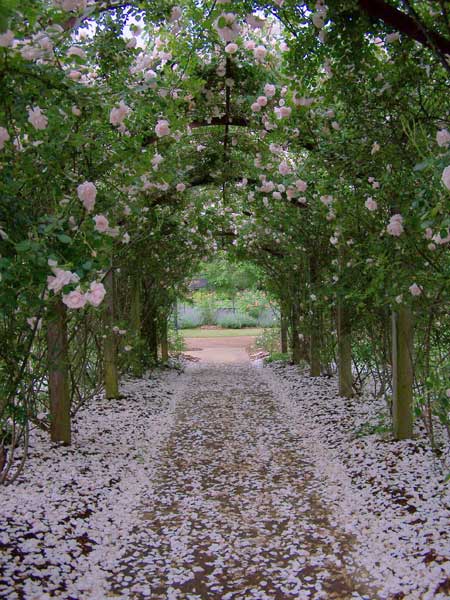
x,y
226,482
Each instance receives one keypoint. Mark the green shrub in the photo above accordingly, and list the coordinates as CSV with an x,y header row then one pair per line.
x,y
236,320
190,318
267,318
189,323
278,356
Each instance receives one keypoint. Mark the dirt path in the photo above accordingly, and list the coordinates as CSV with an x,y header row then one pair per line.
x,y
220,350
237,512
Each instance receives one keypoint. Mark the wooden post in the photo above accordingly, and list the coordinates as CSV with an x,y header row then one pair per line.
x,y
164,340
402,373
58,374
283,330
344,350
111,375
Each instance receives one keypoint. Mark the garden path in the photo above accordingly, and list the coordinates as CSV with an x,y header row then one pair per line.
x,y
237,511
221,349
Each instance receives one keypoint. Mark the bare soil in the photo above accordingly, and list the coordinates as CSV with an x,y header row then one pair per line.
x,y
221,349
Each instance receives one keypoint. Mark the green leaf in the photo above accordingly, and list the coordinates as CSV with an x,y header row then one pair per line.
x,y
64,239
23,246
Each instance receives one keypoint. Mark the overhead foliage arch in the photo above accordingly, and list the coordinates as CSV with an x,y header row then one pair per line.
x,y
138,137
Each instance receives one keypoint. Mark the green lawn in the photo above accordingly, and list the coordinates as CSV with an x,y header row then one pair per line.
x,y
212,333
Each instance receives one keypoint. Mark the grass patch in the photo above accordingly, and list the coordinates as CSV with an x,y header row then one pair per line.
x,y
214,333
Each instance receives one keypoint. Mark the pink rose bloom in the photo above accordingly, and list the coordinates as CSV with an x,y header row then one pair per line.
x,y
162,128
250,45
318,20
446,177
6,39
270,90
415,289
37,119
301,185
61,278
87,193
283,112
231,30
301,101
156,161
181,187
284,168
327,200
4,137
255,107
428,233
395,226
101,223
175,14
119,113
262,100
75,299
371,205
76,111
443,137
231,48
254,21
76,51
96,293
259,53
74,75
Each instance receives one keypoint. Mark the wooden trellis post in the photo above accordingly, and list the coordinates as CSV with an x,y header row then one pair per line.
x,y
164,340
58,374
402,373
344,350
111,375
344,339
